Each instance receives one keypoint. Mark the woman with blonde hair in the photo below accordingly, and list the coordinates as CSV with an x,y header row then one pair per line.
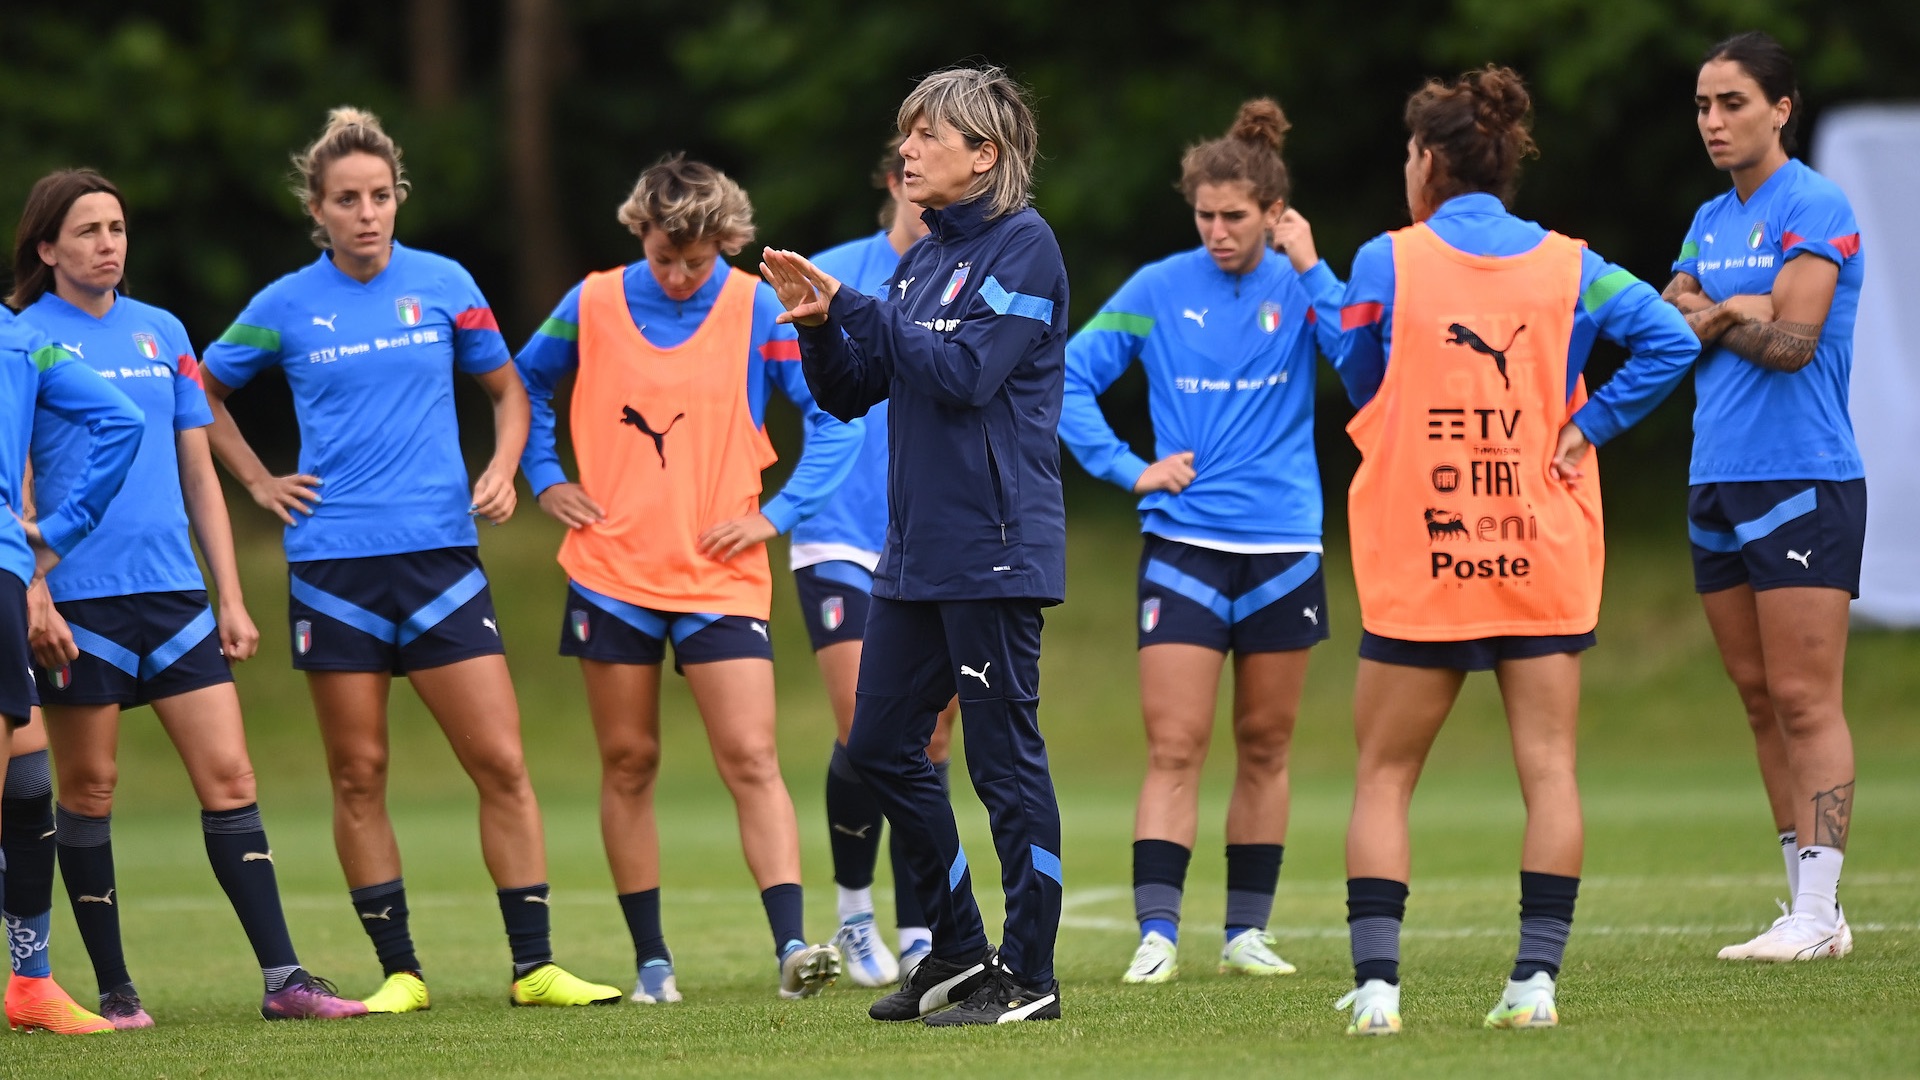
x,y
383,565
673,359
967,348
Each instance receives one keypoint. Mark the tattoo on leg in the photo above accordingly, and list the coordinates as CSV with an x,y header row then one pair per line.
x,y
1832,814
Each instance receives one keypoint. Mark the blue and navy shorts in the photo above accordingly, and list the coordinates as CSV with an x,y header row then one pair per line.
x,y
394,613
1775,534
1476,654
1230,602
17,696
137,649
834,598
598,627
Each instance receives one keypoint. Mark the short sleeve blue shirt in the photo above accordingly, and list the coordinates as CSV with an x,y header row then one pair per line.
x,y
1751,423
371,367
141,542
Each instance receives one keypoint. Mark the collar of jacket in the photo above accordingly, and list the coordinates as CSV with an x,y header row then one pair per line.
x,y
960,221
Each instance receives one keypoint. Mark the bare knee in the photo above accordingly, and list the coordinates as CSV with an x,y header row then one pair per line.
x,y
229,786
630,770
1175,754
90,793
1263,748
501,774
360,781
1802,706
749,766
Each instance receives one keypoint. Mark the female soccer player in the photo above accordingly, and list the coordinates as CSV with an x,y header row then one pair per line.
x,y
673,357
1476,540
132,601
1231,513
384,574
968,348
1769,277
833,556
37,374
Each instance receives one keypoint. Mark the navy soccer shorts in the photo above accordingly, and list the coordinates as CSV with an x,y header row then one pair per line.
x,y
1476,654
1775,534
1230,602
834,598
137,649
17,697
393,613
599,627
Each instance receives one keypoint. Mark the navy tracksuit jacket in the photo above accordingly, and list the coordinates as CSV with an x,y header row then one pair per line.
x,y
969,348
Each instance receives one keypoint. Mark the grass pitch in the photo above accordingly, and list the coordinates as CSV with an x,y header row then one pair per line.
x,y
1680,860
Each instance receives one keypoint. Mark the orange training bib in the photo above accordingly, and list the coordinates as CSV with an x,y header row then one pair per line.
x,y
667,446
1459,532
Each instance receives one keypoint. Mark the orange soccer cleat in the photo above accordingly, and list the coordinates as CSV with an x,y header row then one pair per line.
x,y
38,1004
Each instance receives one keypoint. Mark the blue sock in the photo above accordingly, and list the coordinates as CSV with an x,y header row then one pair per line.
x,y
243,864
85,846
1253,873
642,910
26,837
1159,878
785,916
529,926
1375,909
1546,918
383,913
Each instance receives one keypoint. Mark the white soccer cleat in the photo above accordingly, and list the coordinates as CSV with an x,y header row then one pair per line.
x,y
1526,1004
1794,936
1376,1008
868,962
808,969
1251,953
656,984
910,958
1157,960
1845,933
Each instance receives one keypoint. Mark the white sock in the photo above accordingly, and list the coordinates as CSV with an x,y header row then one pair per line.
x,y
1819,882
854,902
914,935
1790,853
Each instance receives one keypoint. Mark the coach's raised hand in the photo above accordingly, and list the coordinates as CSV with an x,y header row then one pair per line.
x,y
804,290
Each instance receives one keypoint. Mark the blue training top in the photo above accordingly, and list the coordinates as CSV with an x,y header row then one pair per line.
x,y
772,356
853,523
35,373
141,544
371,367
1751,423
1230,376
1613,304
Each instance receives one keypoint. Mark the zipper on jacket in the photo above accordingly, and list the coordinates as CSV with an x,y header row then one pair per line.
x,y
999,493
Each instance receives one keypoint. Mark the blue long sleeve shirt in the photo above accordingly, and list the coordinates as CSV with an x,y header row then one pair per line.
x,y
772,360
1230,376
36,373
1613,304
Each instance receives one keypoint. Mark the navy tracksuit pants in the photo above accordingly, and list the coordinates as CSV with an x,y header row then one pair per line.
x,y
916,655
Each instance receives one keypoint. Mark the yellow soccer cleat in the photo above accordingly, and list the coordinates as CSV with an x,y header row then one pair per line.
x,y
550,984
403,992
38,1004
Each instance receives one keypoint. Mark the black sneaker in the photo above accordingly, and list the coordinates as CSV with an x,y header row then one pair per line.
x,y
1001,1000
934,985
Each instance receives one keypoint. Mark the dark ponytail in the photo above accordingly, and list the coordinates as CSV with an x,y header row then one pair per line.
x,y
1479,128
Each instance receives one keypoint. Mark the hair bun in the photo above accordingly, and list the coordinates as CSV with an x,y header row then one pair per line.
x,y
1500,99
1261,121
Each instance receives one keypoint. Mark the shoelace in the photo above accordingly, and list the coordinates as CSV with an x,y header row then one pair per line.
x,y
314,984
861,947
118,1004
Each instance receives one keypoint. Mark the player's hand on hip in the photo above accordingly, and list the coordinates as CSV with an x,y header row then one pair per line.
x,y
47,633
804,289
729,538
1170,474
282,495
239,638
1567,455
494,497
570,505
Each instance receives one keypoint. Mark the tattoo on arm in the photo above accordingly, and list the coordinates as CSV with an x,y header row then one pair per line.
x,y
1776,346
1832,814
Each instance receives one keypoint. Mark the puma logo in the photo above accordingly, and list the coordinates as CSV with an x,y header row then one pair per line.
x,y
541,900
631,416
85,899
75,350
384,915
255,856
489,624
857,834
326,322
1312,614
1464,336
981,674
903,287
48,833
1197,316
759,628
1801,557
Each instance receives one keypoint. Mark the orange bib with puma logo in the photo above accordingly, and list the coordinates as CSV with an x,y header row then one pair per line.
x,y
1459,532
667,446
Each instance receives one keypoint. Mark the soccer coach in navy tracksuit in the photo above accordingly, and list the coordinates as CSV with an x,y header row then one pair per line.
x,y
969,346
